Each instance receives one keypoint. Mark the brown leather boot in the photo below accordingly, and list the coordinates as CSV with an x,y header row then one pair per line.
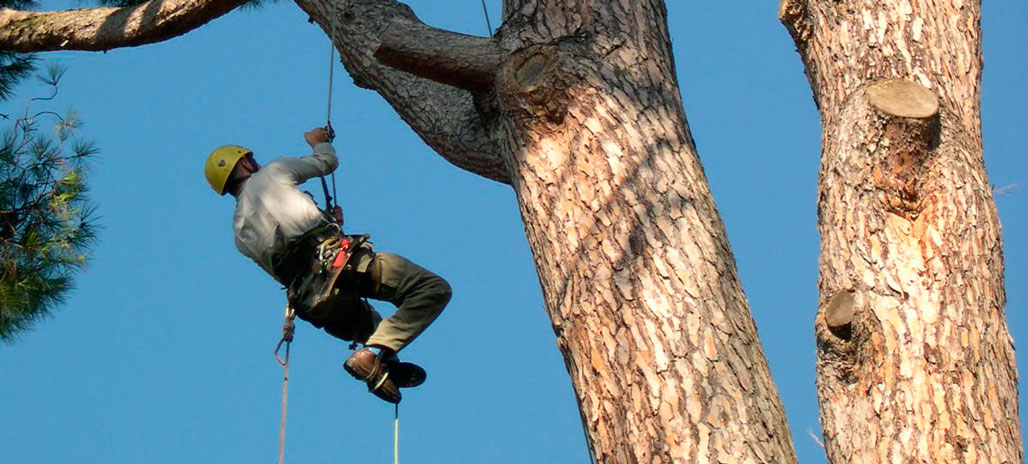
x,y
365,365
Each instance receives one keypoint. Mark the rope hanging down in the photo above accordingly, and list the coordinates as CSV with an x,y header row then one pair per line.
x,y
486,11
289,327
396,433
328,118
287,338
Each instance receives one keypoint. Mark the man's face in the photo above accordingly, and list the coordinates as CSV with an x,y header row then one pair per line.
x,y
243,169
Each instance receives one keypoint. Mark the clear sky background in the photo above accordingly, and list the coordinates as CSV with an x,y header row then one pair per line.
x,y
164,352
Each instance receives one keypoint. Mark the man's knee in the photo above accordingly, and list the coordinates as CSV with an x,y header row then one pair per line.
x,y
395,273
441,288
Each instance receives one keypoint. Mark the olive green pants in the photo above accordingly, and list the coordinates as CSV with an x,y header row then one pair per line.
x,y
418,294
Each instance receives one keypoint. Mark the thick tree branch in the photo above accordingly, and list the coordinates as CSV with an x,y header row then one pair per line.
x,y
99,29
445,117
454,59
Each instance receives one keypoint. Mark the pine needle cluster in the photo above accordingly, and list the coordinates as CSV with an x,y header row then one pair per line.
x,y
46,219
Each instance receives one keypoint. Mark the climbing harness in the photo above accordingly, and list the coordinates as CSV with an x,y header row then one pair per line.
x,y
288,327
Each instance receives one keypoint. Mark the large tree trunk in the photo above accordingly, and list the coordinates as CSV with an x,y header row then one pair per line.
x,y
579,104
915,361
635,266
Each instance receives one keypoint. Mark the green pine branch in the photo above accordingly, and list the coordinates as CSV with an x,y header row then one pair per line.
x,y
46,219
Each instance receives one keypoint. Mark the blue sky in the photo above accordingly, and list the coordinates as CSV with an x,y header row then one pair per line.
x,y
164,352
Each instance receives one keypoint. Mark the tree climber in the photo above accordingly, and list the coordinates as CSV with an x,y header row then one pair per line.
x,y
328,275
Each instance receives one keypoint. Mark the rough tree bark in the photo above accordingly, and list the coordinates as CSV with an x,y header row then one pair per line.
x,y
632,255
635,267
99,29
575,104
915,361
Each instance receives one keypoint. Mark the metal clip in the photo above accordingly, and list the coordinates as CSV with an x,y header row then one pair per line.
x,y
331,131
288,327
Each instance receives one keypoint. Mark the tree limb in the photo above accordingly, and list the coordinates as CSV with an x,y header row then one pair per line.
x,y
100,29
454,59
445,117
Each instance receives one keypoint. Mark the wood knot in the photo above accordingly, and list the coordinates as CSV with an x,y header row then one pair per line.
x,y
532,84
529,68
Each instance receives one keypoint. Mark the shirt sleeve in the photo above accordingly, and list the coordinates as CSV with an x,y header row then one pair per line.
x,y
321,163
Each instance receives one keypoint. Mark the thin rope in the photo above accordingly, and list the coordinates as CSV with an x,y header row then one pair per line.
x,y
287,339
486,11
331,63
331,80
285,404
396,433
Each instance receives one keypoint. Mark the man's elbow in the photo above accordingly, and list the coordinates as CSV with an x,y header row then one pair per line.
x,y
327,155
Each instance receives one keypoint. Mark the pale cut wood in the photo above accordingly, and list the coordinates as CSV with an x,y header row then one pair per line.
x,y
839,313
902,98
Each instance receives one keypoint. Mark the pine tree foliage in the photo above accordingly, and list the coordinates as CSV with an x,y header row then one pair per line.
x,y
13,68
46,219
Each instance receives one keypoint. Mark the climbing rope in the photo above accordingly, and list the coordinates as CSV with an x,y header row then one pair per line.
x,y
486,11
288,327
328,117
396,433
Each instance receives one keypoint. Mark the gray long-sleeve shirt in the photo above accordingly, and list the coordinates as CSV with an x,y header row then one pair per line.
x,y
271,211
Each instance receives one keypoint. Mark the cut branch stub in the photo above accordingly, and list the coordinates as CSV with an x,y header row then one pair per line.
x,y
908,114
841,333
839,314
903,99
896,124
532,84
793,14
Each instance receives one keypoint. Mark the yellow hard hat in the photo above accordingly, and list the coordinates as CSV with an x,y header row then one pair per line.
x,y
220,164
